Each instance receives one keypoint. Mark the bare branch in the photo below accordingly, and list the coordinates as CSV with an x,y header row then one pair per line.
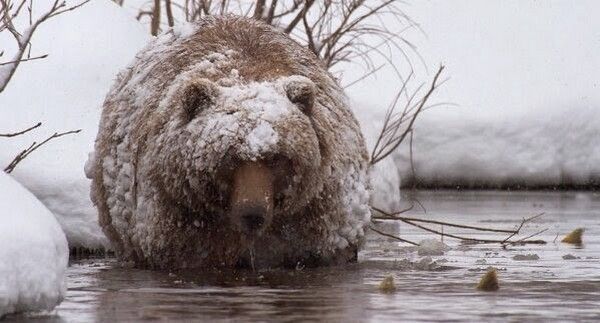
x,y
23,39
26,59
259,9
393,236
8,135
394,216
155,22
299,16
23,154
413,222
169,10
385,144
521,226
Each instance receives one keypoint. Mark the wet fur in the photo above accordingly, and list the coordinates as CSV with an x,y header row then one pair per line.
x,y
163,208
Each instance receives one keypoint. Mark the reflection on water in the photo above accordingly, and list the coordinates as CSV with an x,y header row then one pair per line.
x,y
430,288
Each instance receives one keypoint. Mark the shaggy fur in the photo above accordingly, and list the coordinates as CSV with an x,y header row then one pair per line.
x,y
194,104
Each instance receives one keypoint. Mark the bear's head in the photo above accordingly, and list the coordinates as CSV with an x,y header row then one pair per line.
x,y
243,153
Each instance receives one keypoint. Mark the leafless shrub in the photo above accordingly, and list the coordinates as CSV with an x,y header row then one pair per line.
x,y
398,124
335,30
8,12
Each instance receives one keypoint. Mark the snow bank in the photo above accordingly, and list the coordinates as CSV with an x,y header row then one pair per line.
x,y
528,149
524,75
86,47
536,149
33,252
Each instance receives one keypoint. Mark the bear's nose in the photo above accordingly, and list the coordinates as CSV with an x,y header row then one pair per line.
x,y
253,221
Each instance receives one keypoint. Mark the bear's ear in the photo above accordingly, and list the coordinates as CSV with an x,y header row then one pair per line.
x,y
197,96
301,91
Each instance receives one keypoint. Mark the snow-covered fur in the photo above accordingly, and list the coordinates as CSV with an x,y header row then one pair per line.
x,y
198,101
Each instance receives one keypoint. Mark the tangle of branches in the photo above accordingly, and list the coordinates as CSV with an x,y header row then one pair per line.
x,y
9,10
335,30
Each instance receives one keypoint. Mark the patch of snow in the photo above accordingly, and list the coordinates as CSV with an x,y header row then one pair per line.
x,y
33,253
261,139
432,247
65,91
356,201
385,181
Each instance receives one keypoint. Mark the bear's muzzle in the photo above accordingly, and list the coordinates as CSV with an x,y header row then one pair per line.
x,y
251,205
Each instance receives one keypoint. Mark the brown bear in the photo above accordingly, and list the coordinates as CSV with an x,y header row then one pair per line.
x,y
226,143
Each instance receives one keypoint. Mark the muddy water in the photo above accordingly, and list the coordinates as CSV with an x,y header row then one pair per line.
x,y
429,288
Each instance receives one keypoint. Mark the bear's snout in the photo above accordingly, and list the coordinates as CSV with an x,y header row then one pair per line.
x,y
252,220
251,208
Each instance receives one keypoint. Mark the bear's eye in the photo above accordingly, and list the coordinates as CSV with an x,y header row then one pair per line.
x,y
198,96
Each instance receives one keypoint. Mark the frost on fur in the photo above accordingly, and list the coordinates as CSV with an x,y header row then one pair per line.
x,y
228,138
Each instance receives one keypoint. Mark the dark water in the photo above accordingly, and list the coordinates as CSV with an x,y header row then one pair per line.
x,y
429,288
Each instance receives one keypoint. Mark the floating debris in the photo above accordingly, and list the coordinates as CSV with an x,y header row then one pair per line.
x,y
531,256
387,285
570,257
574,237
489,281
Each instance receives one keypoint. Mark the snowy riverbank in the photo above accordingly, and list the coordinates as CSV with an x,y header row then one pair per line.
x,y
33,252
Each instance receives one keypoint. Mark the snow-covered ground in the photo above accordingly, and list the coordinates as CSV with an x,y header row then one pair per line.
x,y
33,252
523,74
524,78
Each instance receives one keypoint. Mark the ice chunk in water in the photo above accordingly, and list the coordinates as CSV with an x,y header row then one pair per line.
x,y
431,247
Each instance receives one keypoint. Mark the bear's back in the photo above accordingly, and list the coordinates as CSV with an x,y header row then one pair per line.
x,y
256,51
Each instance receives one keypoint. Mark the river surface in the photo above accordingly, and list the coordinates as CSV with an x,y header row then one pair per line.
x,y
428,288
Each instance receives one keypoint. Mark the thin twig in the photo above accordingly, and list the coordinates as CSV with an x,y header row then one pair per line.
x,y
521,226
20,132
364,76
23,154
531,236
393,236
25,59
